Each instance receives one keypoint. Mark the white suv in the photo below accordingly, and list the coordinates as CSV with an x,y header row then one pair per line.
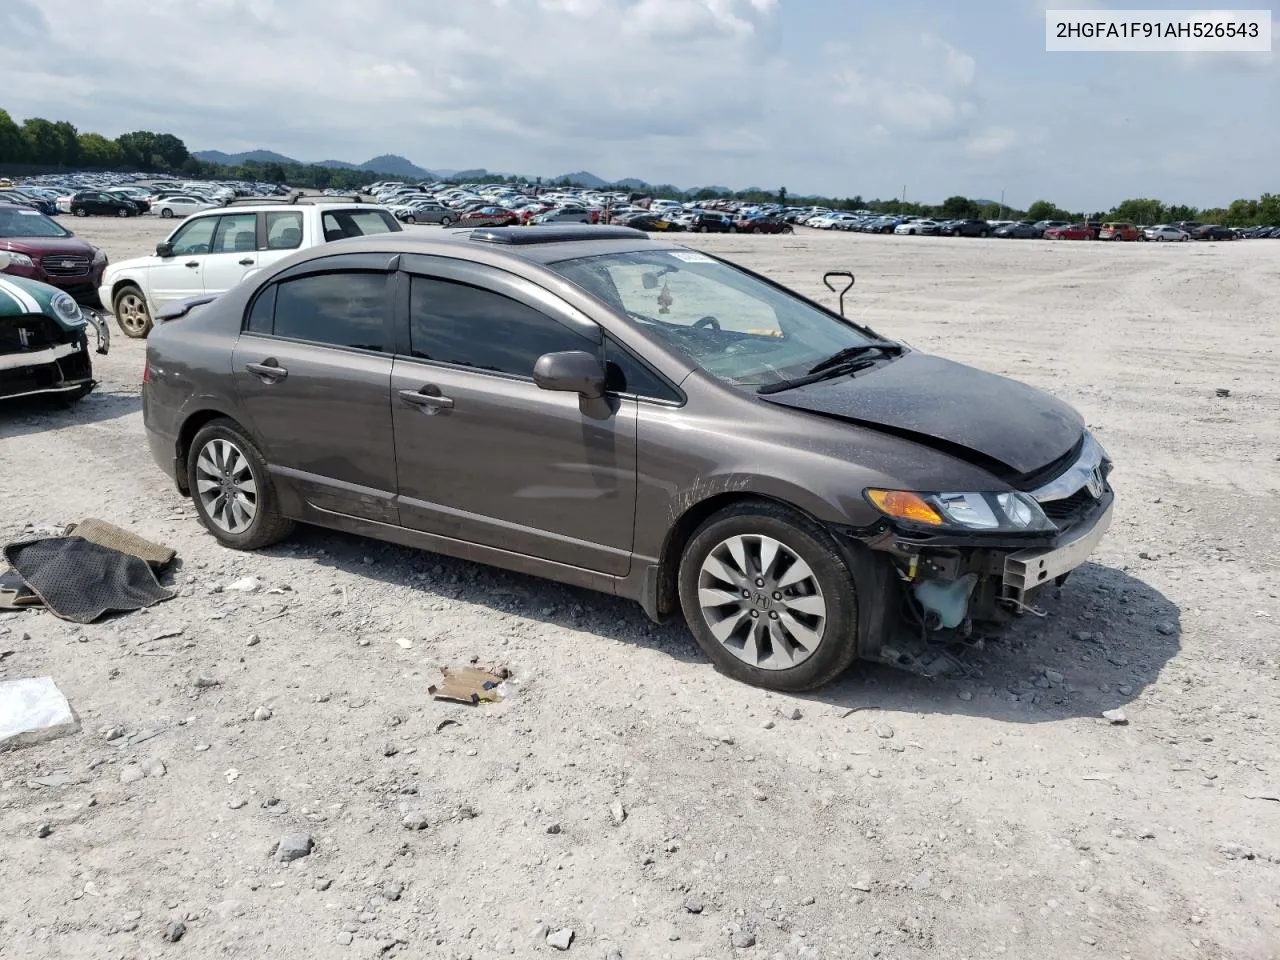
x,y
215,249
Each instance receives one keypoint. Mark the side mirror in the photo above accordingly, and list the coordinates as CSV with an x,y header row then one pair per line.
x,y
573,371
164,249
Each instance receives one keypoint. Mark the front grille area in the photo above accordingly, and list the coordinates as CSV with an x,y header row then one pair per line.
x,y
65,265
1069,507
28,332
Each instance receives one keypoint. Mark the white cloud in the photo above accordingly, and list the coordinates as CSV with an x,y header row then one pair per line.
x,y
687,91
991,140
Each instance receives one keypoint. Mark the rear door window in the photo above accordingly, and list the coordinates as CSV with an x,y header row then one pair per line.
x,y
341,309
236,233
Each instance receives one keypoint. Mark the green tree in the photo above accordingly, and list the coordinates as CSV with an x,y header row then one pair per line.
x,y
137,149
1269,210
171,150
958,208
1044,210
44,141
273,172
98,152
68,144
1241,213
1180,212
13,145
1139,211
782,195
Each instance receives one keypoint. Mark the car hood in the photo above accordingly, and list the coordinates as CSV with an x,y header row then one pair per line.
x,y
47,246
994,421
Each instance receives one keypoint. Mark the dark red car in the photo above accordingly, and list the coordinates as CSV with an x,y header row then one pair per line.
x,y
489,217
42,250
761,224
1073,231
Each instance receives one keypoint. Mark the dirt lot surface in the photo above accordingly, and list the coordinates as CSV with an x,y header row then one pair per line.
x,y
628,793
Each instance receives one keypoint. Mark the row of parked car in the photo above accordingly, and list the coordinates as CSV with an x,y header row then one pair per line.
x,y
500,205
867,222
113,195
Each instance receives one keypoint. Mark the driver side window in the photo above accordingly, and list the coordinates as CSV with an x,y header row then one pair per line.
x,y
194,237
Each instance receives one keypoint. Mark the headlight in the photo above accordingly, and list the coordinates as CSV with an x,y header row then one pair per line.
x,y
99,256
66,308
18,259
981,512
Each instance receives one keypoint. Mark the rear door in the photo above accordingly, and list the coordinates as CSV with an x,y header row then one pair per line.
x,y
484,455
233,251
313,371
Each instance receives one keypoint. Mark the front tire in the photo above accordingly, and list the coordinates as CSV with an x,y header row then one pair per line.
x,y
132,314
445,221
80,212
122,212
232,490
770,598
166,213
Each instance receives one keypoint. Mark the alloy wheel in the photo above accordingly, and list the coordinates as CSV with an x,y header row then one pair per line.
x,y
225,485
762,602
131,312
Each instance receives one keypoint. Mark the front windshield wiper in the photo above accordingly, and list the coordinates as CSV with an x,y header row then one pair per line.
x,y
848,360
853,353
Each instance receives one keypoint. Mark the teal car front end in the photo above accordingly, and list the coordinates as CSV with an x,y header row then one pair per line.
x,y
44,340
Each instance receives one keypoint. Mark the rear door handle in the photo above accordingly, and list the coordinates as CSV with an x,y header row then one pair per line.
x,y
193,263
247,262
268,370
428,401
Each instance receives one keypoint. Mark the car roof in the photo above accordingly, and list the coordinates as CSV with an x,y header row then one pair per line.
x,y
539,244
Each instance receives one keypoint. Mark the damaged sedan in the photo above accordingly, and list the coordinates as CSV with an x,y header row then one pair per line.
x,y
44,343
616,412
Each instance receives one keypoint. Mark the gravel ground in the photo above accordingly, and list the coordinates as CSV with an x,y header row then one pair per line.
x,y
625,798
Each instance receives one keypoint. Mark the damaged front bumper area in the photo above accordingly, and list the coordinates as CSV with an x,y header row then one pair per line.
x,y
947,582
38,357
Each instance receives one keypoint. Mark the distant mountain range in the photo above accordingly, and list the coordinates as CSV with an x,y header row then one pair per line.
x,y
393,165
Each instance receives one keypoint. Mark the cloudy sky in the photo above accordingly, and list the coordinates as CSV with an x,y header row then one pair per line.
x,y
839,97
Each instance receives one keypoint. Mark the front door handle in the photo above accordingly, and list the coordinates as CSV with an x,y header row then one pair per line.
x,y
430,402
193,263
247,262
269,371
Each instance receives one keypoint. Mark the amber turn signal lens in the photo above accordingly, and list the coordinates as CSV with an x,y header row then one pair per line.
x,y
905,506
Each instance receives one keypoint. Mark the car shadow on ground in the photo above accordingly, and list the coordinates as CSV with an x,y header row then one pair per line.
x,y
27,416
1105,636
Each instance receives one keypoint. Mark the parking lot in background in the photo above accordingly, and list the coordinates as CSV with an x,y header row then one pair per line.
x,y
993,813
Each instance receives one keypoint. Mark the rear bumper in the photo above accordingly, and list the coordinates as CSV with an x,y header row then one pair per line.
x,y
164,451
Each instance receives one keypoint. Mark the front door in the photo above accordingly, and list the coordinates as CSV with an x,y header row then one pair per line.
x,y
233,252
182,274
313,370
487,457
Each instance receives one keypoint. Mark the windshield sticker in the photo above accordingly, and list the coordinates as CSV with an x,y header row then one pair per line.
x,y
689,256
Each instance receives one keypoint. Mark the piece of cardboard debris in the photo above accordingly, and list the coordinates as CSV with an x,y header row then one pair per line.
x,y
471,685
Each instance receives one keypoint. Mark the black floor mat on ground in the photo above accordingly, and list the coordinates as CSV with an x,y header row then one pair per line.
x,y
79,580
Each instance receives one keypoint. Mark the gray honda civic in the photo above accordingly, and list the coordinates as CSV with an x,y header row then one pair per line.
x,y
590,405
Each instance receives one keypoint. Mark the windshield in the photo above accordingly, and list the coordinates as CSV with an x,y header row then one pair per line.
x,y
737,328
22,222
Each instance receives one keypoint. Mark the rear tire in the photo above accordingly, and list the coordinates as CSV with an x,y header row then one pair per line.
x,y
250,519
802,624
